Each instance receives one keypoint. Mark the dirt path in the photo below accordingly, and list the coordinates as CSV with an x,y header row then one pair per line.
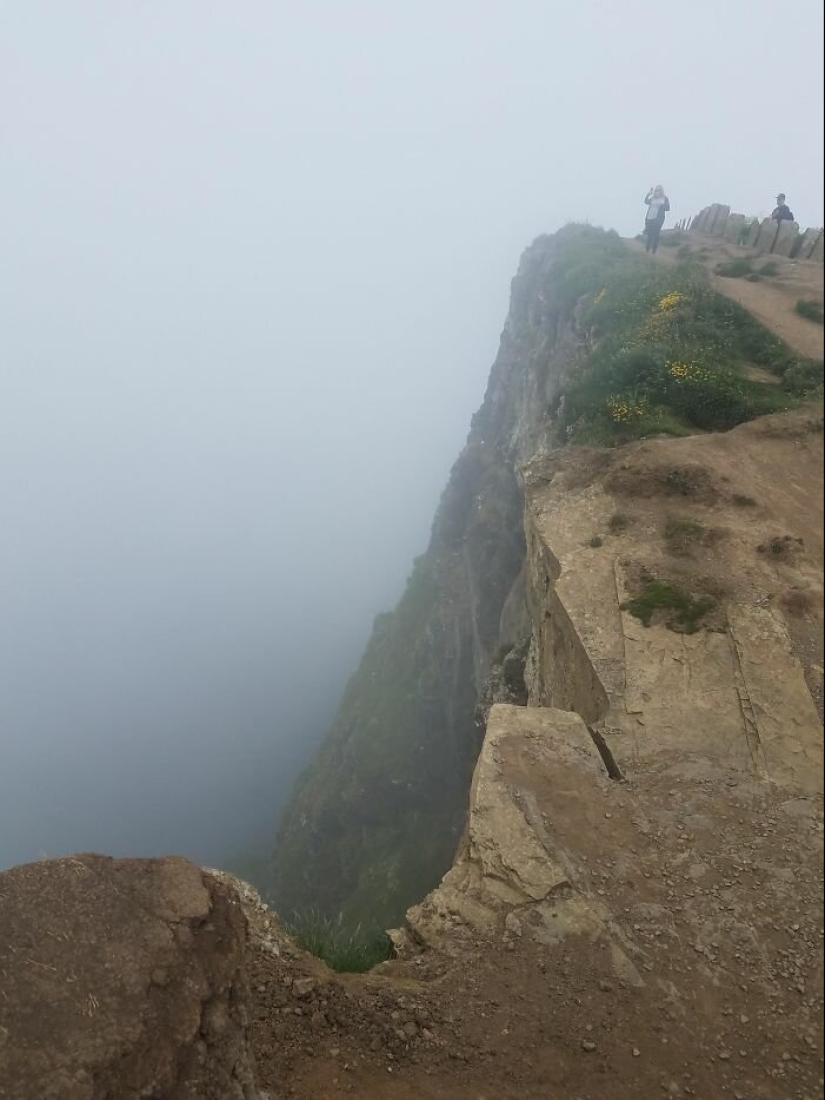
x,y
773,299
714,878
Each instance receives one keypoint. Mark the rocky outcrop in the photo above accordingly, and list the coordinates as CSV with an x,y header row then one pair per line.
x,y
702,515
122,979
518,874
781,238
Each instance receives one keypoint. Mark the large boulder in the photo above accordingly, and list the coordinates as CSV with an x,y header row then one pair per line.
x,y
121,980
786,236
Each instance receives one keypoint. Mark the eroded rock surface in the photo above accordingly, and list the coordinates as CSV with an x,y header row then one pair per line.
x,y
121,979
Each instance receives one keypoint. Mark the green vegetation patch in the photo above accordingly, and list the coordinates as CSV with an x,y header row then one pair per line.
x,y
735,269
345,950
811,310
683,536
677,609
665,354
742,268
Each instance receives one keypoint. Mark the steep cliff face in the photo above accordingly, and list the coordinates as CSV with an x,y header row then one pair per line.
x,y
377,818
601,346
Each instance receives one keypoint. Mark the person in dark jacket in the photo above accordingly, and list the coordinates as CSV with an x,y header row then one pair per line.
x,y
658,205
782,213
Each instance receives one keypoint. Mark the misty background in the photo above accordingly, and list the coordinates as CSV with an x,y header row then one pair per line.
x,y
254,260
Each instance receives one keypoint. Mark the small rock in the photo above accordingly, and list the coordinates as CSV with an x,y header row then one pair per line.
x,y
605,987
588,1045
513,925
636,1052
303,987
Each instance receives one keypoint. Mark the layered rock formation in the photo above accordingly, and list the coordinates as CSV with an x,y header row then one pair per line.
x,y
612,695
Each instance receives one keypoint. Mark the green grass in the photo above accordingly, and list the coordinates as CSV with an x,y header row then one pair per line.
x,y
810,309
345,950
735,269
683,612
667,355
742,267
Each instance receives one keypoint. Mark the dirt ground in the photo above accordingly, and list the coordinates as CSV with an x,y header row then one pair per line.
x,y
715,877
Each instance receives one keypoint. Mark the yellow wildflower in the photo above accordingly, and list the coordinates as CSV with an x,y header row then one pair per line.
x,y
691,372
624,409
669,301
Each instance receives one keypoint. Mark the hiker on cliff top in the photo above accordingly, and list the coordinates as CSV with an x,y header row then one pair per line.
x,y
782,213
658,205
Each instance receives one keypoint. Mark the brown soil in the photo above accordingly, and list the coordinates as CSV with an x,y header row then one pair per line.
x,y
714,877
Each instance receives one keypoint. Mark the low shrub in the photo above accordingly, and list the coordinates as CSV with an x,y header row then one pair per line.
x,y
678,610
811,310
735,269
803,377
783,547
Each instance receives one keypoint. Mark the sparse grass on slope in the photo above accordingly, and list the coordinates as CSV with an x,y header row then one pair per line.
x,y
343,949
742,267
735,269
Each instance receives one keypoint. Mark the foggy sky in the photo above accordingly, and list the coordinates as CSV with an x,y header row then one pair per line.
x,y
255,258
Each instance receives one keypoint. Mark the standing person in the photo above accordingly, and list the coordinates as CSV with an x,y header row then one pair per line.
x,y
782,213
658,205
